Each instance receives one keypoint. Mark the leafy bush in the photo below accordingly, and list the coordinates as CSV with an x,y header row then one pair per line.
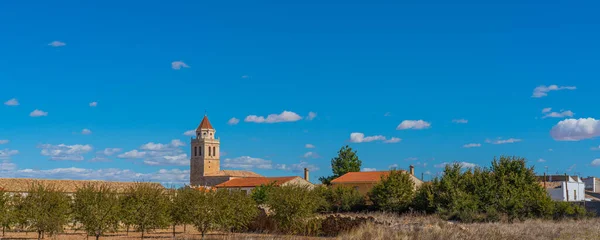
x,y
293,207
5,217
181,206
394,192
564,210
260,193
237,210
344,199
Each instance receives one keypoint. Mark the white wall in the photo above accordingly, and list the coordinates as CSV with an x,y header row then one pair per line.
x,y
590,184
576,192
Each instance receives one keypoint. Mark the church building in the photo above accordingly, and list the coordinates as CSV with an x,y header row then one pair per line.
x,y
205,163
205,170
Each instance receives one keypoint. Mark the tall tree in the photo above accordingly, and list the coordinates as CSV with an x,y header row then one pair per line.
x,y
181,206
5,218
346,161
97,208
148,205
394,192
46,209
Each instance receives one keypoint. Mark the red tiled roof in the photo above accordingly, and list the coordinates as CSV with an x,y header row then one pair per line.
x,y
353,177
254,181
233,173
205,124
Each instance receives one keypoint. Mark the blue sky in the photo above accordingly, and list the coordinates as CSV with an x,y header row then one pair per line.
x,y
479,76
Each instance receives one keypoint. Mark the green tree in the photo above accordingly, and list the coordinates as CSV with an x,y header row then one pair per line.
x,y
394,192
46,209
96,207
236,210
181,206
148,207
261,193
345,198
19,211
293,207
5,211
346,161
205,211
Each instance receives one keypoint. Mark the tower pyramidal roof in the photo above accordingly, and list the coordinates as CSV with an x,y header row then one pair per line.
x,y
205,124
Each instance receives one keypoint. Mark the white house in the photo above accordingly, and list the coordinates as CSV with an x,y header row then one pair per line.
x,y
571,190
592,184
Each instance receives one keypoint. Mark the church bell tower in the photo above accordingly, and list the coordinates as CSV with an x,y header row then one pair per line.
x,y
204,152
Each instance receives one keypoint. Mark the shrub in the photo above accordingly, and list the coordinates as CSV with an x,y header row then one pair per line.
x,y
5,217
237,210
46,209
293,207
181,206
260,193
394,192
97,208
564,210
344,199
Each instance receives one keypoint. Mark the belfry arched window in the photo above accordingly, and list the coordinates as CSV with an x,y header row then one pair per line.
x,y
214,151
195,151
209,152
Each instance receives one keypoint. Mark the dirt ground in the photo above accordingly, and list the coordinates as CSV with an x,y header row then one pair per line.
x,y
190,234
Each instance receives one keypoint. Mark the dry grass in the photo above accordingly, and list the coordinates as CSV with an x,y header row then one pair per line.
x,y
388,226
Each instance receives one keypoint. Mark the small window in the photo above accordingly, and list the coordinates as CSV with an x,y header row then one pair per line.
x,y
214,151
200,151
209,152
195,151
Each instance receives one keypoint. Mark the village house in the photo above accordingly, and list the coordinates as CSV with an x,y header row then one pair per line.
x,y
363,182
592,184
563,187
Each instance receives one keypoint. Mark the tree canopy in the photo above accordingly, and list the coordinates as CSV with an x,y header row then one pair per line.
x,y
346,161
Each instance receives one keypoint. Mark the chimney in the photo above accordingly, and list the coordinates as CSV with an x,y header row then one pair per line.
x,y
412,170
306,174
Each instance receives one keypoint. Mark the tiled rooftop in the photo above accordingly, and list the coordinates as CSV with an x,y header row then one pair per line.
x,y
255,181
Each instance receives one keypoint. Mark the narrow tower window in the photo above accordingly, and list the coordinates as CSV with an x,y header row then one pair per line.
x,y
209,152
195,151
214,151
200,148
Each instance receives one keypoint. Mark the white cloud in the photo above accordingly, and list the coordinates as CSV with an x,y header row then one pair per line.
x,y
111,151
308,145
413,124
57,44
12,102
369,169
503,141
576,129
86,131
541,160
462,164
310,155
133,154
3,141
157,158
190,132
38,113
596,162
311,116
460,120
550,149
246,76
572,167
151,146
560,114
393,140
472,145
595,148
6,154
360,138
93,104
546,110
411,159
427,173
178,65
393,166
64,152
6,165
387,114
542,91
233,121
285,116
247,162
297,167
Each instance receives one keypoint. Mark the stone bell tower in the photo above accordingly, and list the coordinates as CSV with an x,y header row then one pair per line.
x,y
204,153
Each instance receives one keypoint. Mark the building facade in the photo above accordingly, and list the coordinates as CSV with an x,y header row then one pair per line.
x,y
363,182
564,188
592,184
205,162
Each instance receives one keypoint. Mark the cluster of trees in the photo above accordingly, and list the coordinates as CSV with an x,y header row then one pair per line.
x,y
98,209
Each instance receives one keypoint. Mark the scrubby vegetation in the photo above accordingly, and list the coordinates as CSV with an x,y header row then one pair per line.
x,y
505,192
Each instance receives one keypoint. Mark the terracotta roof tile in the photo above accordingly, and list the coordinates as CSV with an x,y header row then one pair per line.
x,y
205,124
354,177
67,186
255,181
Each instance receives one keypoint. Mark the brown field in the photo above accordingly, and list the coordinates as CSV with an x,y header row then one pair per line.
x,y
388,226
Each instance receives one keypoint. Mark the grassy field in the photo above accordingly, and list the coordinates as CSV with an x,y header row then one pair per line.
x,y
389,226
